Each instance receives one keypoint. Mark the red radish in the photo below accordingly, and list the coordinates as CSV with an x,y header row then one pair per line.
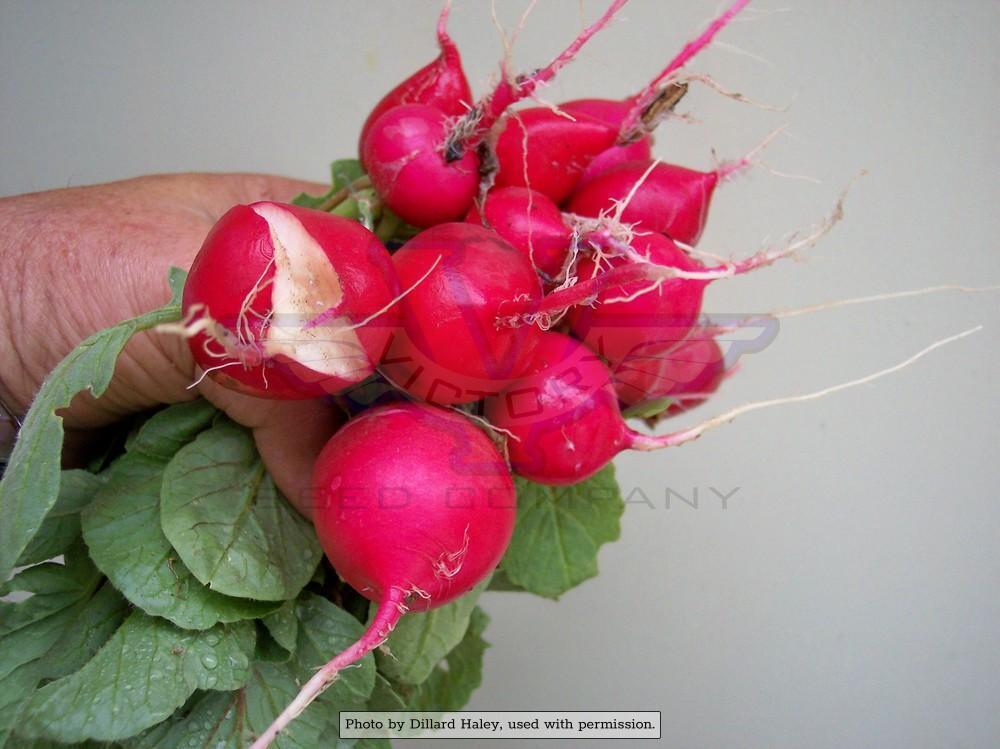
x,y
647,97
424,166
529,221
552,150
562,416
656,196
478,124
449,348
263,273
686,374
547,152
694,369
440,84
563,420
390,481
415,506
404,154
660,197
640,150
634,315
652,322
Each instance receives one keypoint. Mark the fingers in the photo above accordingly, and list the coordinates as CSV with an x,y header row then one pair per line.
x,y
289,444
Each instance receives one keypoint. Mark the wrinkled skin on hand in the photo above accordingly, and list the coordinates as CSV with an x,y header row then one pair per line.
x,y
81,259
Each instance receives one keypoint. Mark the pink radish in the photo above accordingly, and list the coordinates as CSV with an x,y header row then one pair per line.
x,y
659,197
640,149
547,152
478,124
665,198
403,152
645,296
529,221
650,323
686,374
563,420
264,271
690,372
552,150
425,166
415,506
449,348
562,416
440,84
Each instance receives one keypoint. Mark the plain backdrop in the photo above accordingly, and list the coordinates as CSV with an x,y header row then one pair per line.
x,y
847,596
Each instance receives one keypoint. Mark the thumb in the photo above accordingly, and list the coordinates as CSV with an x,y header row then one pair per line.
x,y
214,194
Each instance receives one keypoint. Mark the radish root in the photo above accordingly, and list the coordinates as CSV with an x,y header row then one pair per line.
x,y
648,94
510,90
390,610
639,441
586,292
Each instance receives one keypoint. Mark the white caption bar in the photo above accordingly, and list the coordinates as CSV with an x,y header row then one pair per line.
x,y
497,724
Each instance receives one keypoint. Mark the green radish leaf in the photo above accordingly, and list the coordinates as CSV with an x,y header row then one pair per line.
x,y
422,639
30,627
229,524
363,206
15,690
342,173
268,650
283,626
330,738
559,531
168,430
325,630
503,584
450,688
46,744
145,672
44,641
389,226
153,738
122,530
373,744
53,587
30,485
61,526
91,627
272,686
384,697
213,719
647,409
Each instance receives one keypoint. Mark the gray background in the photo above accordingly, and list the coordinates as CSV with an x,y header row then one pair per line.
x,y
848,595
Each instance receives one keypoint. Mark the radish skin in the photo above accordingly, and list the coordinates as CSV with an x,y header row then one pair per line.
x,y
441,83
449,349
529,221
406,163
262,273
686,374
558,149
414,507
553,415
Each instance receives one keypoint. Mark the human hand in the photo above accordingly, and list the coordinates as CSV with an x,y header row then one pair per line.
x,y
82,259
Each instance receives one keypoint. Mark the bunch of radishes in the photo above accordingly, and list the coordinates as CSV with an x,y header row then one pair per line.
x,y
551,278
